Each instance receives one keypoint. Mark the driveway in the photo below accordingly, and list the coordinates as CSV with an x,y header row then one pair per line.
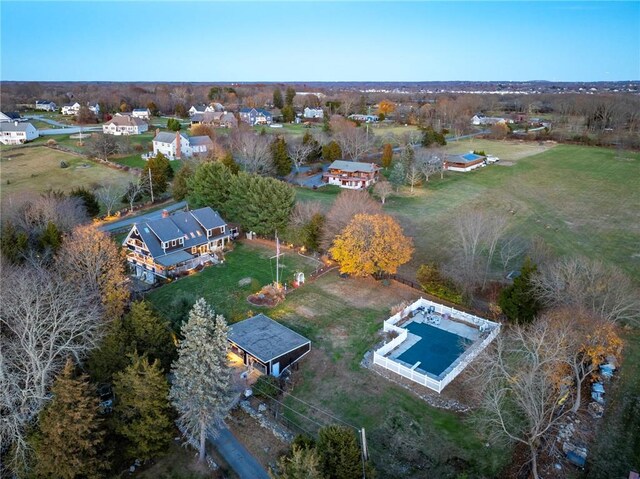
x,y
154,215
237,456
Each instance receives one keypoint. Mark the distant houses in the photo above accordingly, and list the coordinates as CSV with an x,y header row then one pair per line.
x,y
255,116
353,175
218,119
16,133
465,162
46,105
142,113
202,108
74,108
311,113
488,120
176,146
364,118
124,125
175,244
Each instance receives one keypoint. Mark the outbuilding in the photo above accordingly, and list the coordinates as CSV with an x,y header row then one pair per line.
x,y
266,344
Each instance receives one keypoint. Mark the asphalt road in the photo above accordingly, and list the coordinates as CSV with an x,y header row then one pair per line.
x,y
154,215
237,456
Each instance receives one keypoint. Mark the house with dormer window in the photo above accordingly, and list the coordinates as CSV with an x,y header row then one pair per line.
x,y
176,244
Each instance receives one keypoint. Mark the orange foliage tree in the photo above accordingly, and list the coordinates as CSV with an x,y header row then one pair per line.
x,y
385,107
371,244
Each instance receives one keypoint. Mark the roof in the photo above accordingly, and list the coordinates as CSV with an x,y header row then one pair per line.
x,y
126,120
353,166
200,140
43,102
167,137
11,126
464,158
208,218
265,338
175,258
13,115
141,110
200,108
258,110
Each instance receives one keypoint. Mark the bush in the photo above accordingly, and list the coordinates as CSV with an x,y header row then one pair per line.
x,y
479,152
138,148
433,282
266,386
51,142
63,164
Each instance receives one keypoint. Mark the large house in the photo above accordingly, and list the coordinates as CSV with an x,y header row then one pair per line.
x,y
466,162
124,125
488,120
364,118
142,113
46,105
313,112
175,244
15,133
74,108
354,175
255,116
9,116
210,108
180,145
266,345
220,119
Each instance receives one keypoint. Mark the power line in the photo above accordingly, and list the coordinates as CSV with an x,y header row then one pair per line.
x,y
290,408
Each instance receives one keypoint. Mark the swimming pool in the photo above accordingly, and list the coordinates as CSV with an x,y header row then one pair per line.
x,y
436,350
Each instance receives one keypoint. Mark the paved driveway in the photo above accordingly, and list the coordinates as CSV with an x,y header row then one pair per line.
x,y
154,215
239,459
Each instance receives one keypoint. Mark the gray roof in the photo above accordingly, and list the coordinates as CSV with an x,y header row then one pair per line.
x,y
264,338
14,115
126,120
208,218
167,137
11,126
200,108
353,166
141,110
165,229
200,140
175,258
464,158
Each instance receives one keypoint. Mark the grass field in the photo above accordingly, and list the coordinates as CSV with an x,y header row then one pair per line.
x,y
37,169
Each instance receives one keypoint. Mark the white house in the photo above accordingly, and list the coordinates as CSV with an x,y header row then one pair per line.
x,y
486,120
124,125
46,105
142,113
214,106
9,116
74,108
180,145
16,133
364,118
313,112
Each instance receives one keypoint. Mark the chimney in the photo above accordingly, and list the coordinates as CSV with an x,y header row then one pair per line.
x,y
165,214
157,131
178,150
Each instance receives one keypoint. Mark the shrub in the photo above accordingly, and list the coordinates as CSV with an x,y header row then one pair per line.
x,y
138,148
479,152
433,282
63,164
266,386
51,142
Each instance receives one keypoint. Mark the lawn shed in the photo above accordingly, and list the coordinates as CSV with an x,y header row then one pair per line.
x,y
267,345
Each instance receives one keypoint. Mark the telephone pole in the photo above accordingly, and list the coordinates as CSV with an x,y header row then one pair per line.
x,y
150,185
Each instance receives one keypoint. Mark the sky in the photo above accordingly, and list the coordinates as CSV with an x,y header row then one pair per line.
x,y
319,41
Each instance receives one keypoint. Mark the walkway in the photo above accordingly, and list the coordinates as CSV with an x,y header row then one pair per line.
x,y
237,456
153,215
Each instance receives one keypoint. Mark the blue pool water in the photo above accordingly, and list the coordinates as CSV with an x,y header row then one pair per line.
x,y
436,350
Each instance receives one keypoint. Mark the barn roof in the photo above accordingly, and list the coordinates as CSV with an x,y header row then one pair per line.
x,y
265,338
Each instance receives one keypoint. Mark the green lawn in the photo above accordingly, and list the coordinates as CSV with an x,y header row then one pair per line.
x,y
219,284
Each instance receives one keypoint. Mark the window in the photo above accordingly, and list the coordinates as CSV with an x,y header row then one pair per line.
x,y
173,242
194,250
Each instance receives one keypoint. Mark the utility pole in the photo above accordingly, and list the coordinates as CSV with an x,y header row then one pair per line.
x,y
277,257
150,185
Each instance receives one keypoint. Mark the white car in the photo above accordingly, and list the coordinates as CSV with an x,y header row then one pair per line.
x,y
492,159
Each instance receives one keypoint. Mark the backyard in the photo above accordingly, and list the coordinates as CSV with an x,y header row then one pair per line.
x,y
36,169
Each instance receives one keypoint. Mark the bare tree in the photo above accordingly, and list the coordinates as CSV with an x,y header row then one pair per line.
x,y
299,152
252,152
44,320
135,190
348,204
304,212
109,196
518,382
602,289
429,162
354,141
383,189
413,175
511,248
103,146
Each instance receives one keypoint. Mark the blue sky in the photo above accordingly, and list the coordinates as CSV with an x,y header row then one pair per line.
x,y
319,41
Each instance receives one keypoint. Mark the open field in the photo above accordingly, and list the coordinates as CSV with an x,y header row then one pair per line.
x,y
37,169
219,284
507,151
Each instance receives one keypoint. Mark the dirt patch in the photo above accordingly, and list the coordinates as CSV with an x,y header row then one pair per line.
x,y
505,163
369,293
306,312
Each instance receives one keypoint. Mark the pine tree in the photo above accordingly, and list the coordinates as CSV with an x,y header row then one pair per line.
x,y
13,243
387,155
518,301
339,452
69,441
210,186
201,390
228,161
88,199
280,156
288,114
290,95
278,102
331,151
161,172
181,183
51,238
398,175
142,411
316,152
302,463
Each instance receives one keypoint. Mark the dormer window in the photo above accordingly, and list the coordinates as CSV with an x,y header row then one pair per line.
x,y
173,242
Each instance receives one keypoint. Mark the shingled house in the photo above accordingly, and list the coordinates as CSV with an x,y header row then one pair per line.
x,y
175,244
176,146
124,125
354,175
266,345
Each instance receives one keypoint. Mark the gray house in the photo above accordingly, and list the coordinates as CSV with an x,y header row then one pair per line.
x,y
255,116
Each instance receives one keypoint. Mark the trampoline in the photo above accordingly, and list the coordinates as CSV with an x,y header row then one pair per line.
x,y
436,350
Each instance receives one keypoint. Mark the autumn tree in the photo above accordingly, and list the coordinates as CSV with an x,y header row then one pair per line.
x,y
387,155
383,189
90,258
142,411
299,152
278,102
348,204
201,389
386,107
354,141
371,244
252,152
136,190
85,116
69,441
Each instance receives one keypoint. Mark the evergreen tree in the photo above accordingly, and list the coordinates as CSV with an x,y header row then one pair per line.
x,y
408,157
228,161
316,149
161,172
302,463
173,124
153,108
387,155
398,175
211,186
51,238
142,411
339,452
278,102
88,199
288,114
280,156
312,232
518,301
331,151
69,442
362,105
181,182
326,126
289,96
431,137
13,243
201,390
